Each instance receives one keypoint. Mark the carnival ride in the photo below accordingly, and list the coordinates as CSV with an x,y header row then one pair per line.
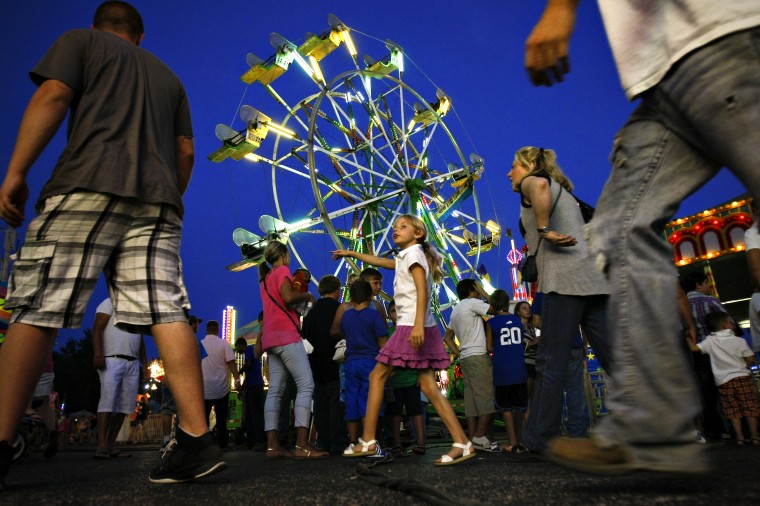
x,y
370,148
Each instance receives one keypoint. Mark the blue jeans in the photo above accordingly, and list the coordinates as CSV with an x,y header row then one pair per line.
x,y
575,395
285,361
560,319
703,115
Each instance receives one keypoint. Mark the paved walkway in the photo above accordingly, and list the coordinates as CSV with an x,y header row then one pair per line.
x,y
73,477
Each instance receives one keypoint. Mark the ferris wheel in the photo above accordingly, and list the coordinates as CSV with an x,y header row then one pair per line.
x,y
351,153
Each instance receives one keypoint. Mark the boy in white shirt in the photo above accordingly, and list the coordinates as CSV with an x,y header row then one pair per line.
x,y
730,357
468,325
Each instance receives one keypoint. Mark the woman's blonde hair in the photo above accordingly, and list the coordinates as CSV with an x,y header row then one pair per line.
x,y
542,161
434,258
273,251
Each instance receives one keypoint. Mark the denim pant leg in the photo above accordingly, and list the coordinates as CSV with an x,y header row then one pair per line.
x,y
575,398
296,360
702,115
559,325
278,376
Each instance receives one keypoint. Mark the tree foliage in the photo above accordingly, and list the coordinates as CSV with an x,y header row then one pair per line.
x,y
76,380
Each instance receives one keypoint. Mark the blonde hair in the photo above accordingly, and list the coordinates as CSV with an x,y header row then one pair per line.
x,y
273,251
542,161
434,258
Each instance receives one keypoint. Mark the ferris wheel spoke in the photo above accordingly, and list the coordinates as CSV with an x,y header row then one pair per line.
x,y
368,142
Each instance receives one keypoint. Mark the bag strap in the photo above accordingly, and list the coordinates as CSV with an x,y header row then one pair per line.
x,y
550,215
290,317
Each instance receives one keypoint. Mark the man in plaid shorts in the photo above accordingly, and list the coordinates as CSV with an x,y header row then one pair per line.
x,y
114,205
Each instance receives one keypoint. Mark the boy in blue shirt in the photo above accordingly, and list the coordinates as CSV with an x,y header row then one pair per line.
x,y
504,338
365,332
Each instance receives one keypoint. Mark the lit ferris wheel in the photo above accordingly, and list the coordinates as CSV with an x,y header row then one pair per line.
x,y
368,147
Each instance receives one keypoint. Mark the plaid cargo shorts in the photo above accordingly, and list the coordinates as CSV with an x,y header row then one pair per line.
x,y
79,235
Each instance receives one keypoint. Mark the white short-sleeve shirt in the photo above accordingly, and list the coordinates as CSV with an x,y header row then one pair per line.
x,y
467,324
115,340
404,291
216,372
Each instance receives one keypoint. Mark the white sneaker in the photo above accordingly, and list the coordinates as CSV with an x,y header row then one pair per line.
x,y
700,438
484,444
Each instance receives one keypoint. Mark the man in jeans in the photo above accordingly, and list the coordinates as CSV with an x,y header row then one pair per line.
x,y
694,66
113,205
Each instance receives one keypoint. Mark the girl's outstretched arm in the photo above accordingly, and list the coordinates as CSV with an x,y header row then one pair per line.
x,y
385,263
417,337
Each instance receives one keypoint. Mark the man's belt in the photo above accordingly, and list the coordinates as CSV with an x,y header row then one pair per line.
x,y
125,357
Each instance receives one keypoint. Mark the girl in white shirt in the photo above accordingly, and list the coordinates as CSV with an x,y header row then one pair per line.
x,y
417,342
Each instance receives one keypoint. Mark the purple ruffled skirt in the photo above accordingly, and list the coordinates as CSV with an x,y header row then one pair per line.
x,y
398,351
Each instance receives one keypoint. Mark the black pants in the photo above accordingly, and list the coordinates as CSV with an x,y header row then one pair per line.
x,y
253,415
712,424
222,408
332,434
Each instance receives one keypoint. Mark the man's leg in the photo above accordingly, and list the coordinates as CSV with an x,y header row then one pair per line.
x,y
22,357
103,425
222,407
180,354
195,454
115,422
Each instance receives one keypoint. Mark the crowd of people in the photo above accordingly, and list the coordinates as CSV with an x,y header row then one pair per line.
x,y
691,65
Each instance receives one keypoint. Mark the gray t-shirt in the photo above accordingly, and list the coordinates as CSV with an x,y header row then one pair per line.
x,y
564,270
127,111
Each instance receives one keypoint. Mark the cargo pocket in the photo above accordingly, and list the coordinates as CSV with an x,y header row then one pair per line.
x,y
29,275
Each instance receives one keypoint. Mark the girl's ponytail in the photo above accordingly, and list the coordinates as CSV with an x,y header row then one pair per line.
x,y
434,260
273,251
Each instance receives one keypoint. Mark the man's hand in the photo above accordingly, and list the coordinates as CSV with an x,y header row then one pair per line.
x,y
99,362
546,50
13,196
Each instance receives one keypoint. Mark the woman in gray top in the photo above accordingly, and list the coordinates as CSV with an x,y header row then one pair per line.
x,y
575,293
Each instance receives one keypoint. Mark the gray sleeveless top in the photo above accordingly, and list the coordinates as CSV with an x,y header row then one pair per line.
x,y
564,270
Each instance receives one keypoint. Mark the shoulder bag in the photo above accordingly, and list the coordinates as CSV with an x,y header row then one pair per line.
x,y
528,266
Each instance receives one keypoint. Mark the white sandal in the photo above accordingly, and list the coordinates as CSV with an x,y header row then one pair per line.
x,y
467,453
365,451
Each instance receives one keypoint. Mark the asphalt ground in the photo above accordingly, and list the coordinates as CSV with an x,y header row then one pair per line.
x,y
74,477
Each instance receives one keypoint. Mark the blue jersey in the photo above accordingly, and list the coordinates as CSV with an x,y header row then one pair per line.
x,y
508,350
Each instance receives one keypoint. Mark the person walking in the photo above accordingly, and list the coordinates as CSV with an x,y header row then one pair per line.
x,y
693,67
114,200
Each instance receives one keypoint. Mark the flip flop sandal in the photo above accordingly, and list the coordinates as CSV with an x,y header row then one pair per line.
x,y
467,453
310,454
365,451
419,450
755,442
101,456
740,443
278,454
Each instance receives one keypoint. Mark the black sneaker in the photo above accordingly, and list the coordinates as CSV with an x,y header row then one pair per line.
x,y
190,458
6,457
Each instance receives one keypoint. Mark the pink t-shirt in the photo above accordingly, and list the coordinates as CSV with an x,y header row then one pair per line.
x,y
279,329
